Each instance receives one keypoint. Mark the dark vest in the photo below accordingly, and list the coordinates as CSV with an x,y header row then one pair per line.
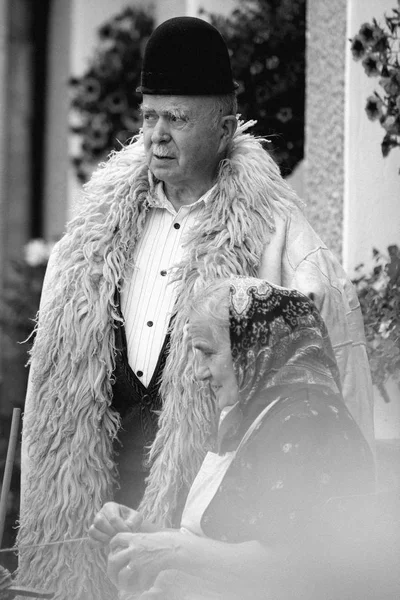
x,y
138,407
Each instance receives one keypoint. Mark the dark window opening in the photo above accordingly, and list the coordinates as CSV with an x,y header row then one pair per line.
x,y
39,32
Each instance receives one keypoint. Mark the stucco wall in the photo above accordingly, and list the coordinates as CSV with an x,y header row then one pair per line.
x,y
324,134
372,191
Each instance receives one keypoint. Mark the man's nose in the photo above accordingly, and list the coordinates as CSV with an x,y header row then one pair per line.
x,y
160,132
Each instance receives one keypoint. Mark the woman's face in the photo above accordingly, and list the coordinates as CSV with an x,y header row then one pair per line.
x,y
213,360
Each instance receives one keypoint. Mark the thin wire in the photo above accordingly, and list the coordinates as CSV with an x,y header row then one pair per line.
x,y
26,546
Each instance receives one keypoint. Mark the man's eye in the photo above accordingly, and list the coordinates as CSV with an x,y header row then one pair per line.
x,y
177,119
149,118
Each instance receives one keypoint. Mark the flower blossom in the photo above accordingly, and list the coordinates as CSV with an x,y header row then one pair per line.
x,y
357,47
389,123
367,33
385,328
391,84
92,89
371,65
37,252
116,102
285,114
374,107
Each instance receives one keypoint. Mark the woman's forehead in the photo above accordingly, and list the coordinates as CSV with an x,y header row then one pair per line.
x,y
199,326
203,329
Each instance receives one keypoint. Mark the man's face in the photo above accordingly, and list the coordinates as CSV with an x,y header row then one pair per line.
x,y
182,147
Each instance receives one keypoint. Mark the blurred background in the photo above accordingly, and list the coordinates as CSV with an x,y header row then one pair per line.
x,y
319,77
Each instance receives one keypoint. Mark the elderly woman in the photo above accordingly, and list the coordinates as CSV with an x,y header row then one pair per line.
x,y
284,444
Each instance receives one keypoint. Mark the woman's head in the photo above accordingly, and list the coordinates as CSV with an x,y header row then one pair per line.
x,y
208,332
249,335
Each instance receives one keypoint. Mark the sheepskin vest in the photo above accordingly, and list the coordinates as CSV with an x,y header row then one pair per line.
x,y
71,428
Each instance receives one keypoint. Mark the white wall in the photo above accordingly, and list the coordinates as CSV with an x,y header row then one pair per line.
x,y
372,183
324,132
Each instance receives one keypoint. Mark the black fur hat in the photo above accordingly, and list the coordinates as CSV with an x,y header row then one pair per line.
x,y
188,57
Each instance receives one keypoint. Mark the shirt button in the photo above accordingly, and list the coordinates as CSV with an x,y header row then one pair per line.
x,y
149,323
176,225
139,373
163,273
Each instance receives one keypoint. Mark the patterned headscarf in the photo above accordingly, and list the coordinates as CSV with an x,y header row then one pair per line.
x,y
279,344
277,338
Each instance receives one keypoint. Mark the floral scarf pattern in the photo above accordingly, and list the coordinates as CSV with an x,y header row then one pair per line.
x,y
277,337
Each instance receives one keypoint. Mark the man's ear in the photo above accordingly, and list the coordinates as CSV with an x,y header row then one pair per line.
x,y
228,128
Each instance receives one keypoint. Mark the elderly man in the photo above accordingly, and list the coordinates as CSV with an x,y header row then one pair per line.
x,y
195,197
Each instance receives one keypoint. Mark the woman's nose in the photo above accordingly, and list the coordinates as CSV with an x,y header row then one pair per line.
x,y
201,370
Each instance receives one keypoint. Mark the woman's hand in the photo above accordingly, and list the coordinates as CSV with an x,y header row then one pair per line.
x,y
114,518
136,559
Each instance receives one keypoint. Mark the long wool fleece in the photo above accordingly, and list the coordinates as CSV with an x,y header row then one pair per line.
x,y
69,427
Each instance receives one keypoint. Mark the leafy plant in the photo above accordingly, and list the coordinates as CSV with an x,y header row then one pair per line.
x,y
379,294
104,103
266,39
378,48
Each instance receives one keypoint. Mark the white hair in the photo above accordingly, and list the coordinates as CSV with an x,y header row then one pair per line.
x,y
224,105
211,303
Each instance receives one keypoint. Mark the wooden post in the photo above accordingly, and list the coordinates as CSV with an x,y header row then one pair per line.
x,y
12,444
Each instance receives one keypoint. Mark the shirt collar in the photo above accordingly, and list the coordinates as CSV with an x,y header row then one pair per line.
x,y
158,199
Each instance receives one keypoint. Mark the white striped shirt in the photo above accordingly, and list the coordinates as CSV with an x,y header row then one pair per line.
x,y
147,297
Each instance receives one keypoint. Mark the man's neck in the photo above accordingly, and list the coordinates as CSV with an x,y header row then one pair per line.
x,y
183,196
